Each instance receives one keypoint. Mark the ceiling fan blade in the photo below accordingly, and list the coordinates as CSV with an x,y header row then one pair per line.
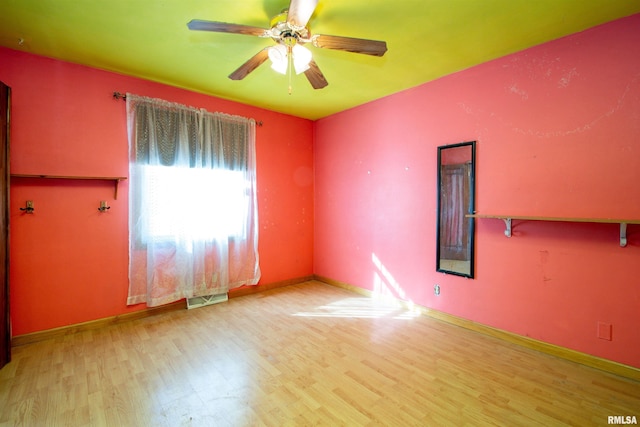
x,y
254,62
300,12
349,44
223,27
315,76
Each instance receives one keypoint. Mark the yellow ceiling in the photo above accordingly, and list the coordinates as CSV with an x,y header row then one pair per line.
x,y
426,39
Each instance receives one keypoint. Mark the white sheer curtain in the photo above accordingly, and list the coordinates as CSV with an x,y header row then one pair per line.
x,y
193,216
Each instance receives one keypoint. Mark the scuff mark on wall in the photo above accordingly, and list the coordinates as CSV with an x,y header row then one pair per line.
x,y
517,91
544,259
630,89
566,78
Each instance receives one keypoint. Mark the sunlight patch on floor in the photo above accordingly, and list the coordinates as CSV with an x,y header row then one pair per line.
x,y
387,300
362,307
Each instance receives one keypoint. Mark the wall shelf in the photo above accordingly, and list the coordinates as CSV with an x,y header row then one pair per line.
x,y
509,218
116,179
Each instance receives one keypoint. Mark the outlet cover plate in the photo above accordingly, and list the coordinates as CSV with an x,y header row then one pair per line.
x,y
605,331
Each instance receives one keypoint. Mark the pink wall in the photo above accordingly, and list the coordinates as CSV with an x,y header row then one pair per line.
x,y
557,129
68,261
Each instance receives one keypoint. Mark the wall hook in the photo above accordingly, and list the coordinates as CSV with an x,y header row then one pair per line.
x,y
103,206
29,207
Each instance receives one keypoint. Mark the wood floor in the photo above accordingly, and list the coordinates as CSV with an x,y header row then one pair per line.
x,y
308,354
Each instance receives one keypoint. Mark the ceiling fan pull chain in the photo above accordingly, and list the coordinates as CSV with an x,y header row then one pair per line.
x,y
290,65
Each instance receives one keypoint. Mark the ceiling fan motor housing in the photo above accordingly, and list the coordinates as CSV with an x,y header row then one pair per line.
x,y
286,33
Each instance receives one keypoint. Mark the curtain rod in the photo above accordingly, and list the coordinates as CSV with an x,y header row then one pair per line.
x,y
118,95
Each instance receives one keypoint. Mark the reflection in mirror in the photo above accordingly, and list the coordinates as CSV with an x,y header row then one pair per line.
x,y
456,198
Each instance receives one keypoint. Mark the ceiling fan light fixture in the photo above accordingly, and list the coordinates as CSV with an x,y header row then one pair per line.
x,y
278,57
301,58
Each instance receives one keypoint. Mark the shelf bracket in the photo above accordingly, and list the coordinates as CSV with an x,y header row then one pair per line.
x,y
623,234
507,223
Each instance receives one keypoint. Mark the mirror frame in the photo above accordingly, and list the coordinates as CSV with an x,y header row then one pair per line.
x,y
471,210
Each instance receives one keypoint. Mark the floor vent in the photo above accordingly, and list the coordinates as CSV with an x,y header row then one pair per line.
x,y
196,302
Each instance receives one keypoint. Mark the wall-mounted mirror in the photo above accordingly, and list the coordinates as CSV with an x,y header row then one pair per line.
x,y
456,198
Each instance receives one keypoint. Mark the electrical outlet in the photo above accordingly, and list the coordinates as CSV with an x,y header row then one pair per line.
x,y
436,290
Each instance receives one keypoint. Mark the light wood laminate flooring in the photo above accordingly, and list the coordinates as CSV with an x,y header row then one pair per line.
x,y
308,354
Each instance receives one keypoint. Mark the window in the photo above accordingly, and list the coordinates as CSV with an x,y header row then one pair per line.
x,y
200,204
193,208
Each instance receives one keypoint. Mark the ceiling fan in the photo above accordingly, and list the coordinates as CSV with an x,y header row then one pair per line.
x,y
289,30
